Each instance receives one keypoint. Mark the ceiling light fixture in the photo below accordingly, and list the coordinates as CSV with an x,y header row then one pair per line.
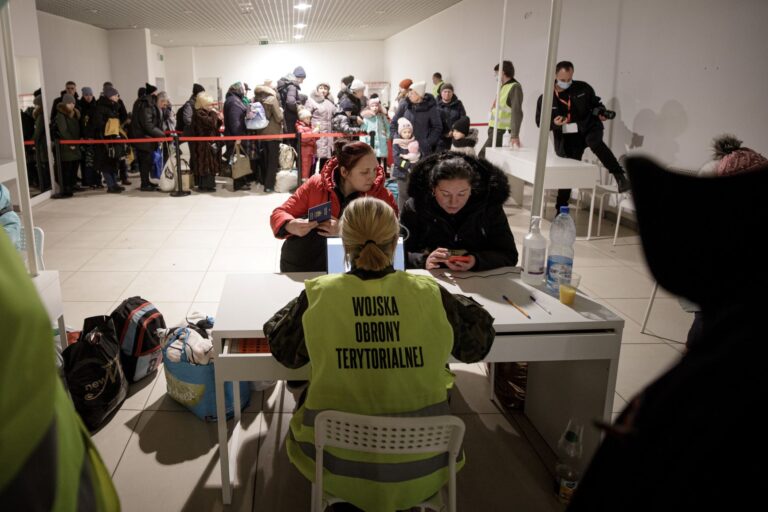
x,y
300,25
302,6
298,36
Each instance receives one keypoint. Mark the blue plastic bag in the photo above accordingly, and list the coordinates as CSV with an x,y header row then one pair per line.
x,y
157,161
194,386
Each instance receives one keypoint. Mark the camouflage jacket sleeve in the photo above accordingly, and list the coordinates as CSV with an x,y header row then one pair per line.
x,y
285,333
473,331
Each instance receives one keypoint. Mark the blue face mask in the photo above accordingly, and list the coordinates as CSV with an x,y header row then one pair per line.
x,y
563,85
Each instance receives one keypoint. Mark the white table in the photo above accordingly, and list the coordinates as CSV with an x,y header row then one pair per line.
x,y
558,173
573,354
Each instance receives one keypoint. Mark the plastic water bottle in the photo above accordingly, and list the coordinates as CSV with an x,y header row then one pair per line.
x,y
534,254
569,461
562,236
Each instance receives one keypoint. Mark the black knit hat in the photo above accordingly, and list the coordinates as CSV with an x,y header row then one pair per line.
x,y
150,88
197,89
347,80
462,125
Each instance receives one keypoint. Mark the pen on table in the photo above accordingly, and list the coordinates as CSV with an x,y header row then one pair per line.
x,y
539,304
516,307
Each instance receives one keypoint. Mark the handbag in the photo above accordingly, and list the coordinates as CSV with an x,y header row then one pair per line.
x,y
241,164
157,160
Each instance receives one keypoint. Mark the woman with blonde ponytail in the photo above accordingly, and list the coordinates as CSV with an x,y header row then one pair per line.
x,y
379,340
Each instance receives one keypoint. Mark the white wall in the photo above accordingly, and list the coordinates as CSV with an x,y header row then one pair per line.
x,y
72,51
179,73
129,55
678,73
157,64
323,62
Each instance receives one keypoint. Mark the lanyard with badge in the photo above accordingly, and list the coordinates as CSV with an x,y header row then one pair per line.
x,y
568,127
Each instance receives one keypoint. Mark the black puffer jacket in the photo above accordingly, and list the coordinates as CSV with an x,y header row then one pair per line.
x,y
348,114
146,122
481,227
449,113
426,121
234,114
288,93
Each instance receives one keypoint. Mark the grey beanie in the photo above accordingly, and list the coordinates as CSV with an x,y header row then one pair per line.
x,y
299,72
67,98
111,91
87,91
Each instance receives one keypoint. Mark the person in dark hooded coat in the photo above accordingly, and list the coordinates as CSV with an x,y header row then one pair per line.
x,y
288,89
451,110
691,440
456,203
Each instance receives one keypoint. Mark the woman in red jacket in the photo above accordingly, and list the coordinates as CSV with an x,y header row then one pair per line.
x,y
353,172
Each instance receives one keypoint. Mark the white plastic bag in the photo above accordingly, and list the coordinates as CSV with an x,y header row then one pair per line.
x,y
286,180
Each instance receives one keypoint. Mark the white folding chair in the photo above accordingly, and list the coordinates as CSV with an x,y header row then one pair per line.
x,y
386,434
39,236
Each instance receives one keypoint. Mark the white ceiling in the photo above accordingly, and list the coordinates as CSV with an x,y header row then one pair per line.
x,y
233,22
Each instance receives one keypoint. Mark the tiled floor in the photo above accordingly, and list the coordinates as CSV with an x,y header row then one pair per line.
x,y
177,251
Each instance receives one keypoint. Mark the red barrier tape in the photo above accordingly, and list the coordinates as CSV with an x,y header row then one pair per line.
x,y
239,137
478,124
29,143
321,135
112,141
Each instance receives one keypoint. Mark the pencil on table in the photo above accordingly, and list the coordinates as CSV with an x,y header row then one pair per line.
x,y
521,310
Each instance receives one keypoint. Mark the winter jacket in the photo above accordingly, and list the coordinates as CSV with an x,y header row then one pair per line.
x,y
481,227
146,122
169,119
9,219
288,91
206,155
307,149
68,126
104,158
348,115
268,98
401,167
583,101
465,145
322,115
187,111
426,121
380,125
449,113
473,331
86,111
56,102
41,143
234,114
307,253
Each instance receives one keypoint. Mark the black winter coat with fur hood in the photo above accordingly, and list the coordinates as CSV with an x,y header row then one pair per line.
x,y
481,227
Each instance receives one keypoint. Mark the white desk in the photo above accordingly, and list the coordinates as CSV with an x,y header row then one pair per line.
x,y
573,354
558,173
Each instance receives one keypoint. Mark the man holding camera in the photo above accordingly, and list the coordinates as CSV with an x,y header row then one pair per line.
x,y
577,123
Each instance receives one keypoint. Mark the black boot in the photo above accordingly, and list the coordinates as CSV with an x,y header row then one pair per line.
x,y
622,182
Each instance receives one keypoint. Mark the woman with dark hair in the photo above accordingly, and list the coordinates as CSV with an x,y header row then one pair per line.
x,y
456,209
316,326
353,172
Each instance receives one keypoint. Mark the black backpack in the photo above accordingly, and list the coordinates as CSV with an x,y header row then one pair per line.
x,y
136,322
93,372
180,118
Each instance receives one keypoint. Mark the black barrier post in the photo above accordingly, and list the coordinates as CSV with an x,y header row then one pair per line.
x,y
59,171
179,192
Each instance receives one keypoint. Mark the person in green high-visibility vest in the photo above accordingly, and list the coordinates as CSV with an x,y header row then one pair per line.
x,y
510,111
48,460
437,82
378,340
